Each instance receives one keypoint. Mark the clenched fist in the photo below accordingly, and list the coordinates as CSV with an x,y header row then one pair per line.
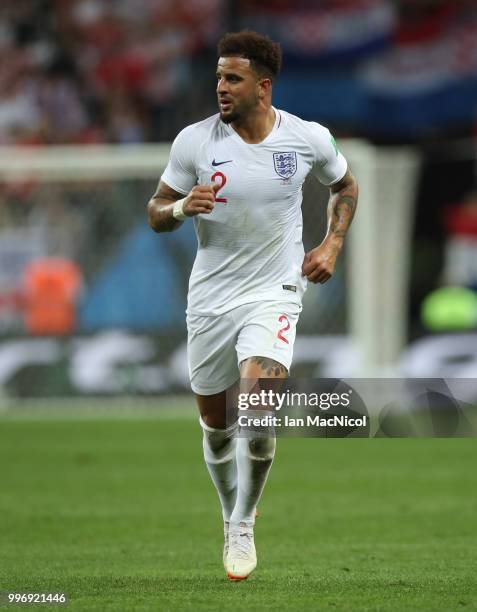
x,y
201,200
319,263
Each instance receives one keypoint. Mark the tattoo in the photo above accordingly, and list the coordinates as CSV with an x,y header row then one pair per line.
x,y
167,223
342,213
270,367
342,205
160,210
163,195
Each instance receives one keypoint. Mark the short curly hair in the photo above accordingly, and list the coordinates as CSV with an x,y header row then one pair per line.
x,y
264,54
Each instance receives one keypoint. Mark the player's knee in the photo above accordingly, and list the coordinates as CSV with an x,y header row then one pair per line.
x,y
262,448
214,420
217,441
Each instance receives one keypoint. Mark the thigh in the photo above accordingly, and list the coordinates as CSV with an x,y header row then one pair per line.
x,y
262,367
211,353
266,339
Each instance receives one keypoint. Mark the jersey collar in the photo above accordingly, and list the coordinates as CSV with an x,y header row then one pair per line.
x,y
278,121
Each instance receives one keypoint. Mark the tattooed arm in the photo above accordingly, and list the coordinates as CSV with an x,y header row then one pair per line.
x,y
342,204
319,263
160,207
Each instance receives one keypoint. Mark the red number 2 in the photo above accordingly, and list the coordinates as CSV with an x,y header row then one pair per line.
x,y
283,329
223,179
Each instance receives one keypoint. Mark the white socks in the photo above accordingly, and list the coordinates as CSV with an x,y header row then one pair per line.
x,y
219,454
254,460
239,468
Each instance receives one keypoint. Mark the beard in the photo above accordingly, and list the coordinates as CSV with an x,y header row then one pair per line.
x,y
241,111
231,117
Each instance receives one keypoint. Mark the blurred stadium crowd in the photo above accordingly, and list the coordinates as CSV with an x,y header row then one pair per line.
x,y
83,71
76,255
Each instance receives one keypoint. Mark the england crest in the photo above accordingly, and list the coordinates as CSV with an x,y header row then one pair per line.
x,y
285,164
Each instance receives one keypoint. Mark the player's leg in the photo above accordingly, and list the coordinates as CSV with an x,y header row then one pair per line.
x,y
219,444
213,368
256,450
255,453
262,367
267,352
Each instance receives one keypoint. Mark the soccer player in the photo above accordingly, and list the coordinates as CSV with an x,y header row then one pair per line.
x,y
239,176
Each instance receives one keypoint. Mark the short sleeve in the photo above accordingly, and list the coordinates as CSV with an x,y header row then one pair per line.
x,y
180,172
330,165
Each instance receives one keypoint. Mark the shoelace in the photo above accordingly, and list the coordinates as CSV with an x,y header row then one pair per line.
x,y
241,543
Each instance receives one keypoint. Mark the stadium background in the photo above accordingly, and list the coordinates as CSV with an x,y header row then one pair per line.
x,y
92,304
92,72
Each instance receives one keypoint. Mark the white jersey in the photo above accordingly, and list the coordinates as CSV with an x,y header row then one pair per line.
x,y
250,247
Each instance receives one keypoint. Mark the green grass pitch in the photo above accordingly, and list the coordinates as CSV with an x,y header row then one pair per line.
x,y
120,515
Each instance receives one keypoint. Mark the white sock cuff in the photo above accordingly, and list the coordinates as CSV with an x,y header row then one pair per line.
x,y
228,432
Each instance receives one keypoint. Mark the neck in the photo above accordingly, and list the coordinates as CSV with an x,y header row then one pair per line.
x,y
256,126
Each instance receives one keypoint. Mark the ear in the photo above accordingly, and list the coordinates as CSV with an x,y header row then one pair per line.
x,y
264,87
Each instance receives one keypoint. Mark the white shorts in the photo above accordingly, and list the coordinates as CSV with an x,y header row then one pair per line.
x,y
217,345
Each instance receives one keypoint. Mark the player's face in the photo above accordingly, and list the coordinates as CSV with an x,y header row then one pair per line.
x,y
238,88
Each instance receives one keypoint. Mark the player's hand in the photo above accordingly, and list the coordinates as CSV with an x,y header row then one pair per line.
x,y
319,263
201,200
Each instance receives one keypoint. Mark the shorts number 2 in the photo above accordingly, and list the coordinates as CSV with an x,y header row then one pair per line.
x,y
283,318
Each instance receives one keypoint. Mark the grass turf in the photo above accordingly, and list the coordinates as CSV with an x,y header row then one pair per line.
x,y
120,515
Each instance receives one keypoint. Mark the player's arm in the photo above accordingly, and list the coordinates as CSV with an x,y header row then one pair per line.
x,y
319,263
341,207
168,208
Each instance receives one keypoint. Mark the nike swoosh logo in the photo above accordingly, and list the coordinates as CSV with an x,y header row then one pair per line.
x,y
214,163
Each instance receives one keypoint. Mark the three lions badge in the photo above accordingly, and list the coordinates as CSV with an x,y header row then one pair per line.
x,y
285,164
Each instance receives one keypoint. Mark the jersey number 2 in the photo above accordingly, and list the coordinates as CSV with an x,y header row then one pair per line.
x,y
281,331
223,179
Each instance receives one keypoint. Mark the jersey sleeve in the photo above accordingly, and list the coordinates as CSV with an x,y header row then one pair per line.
x,y
330,165
180,172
